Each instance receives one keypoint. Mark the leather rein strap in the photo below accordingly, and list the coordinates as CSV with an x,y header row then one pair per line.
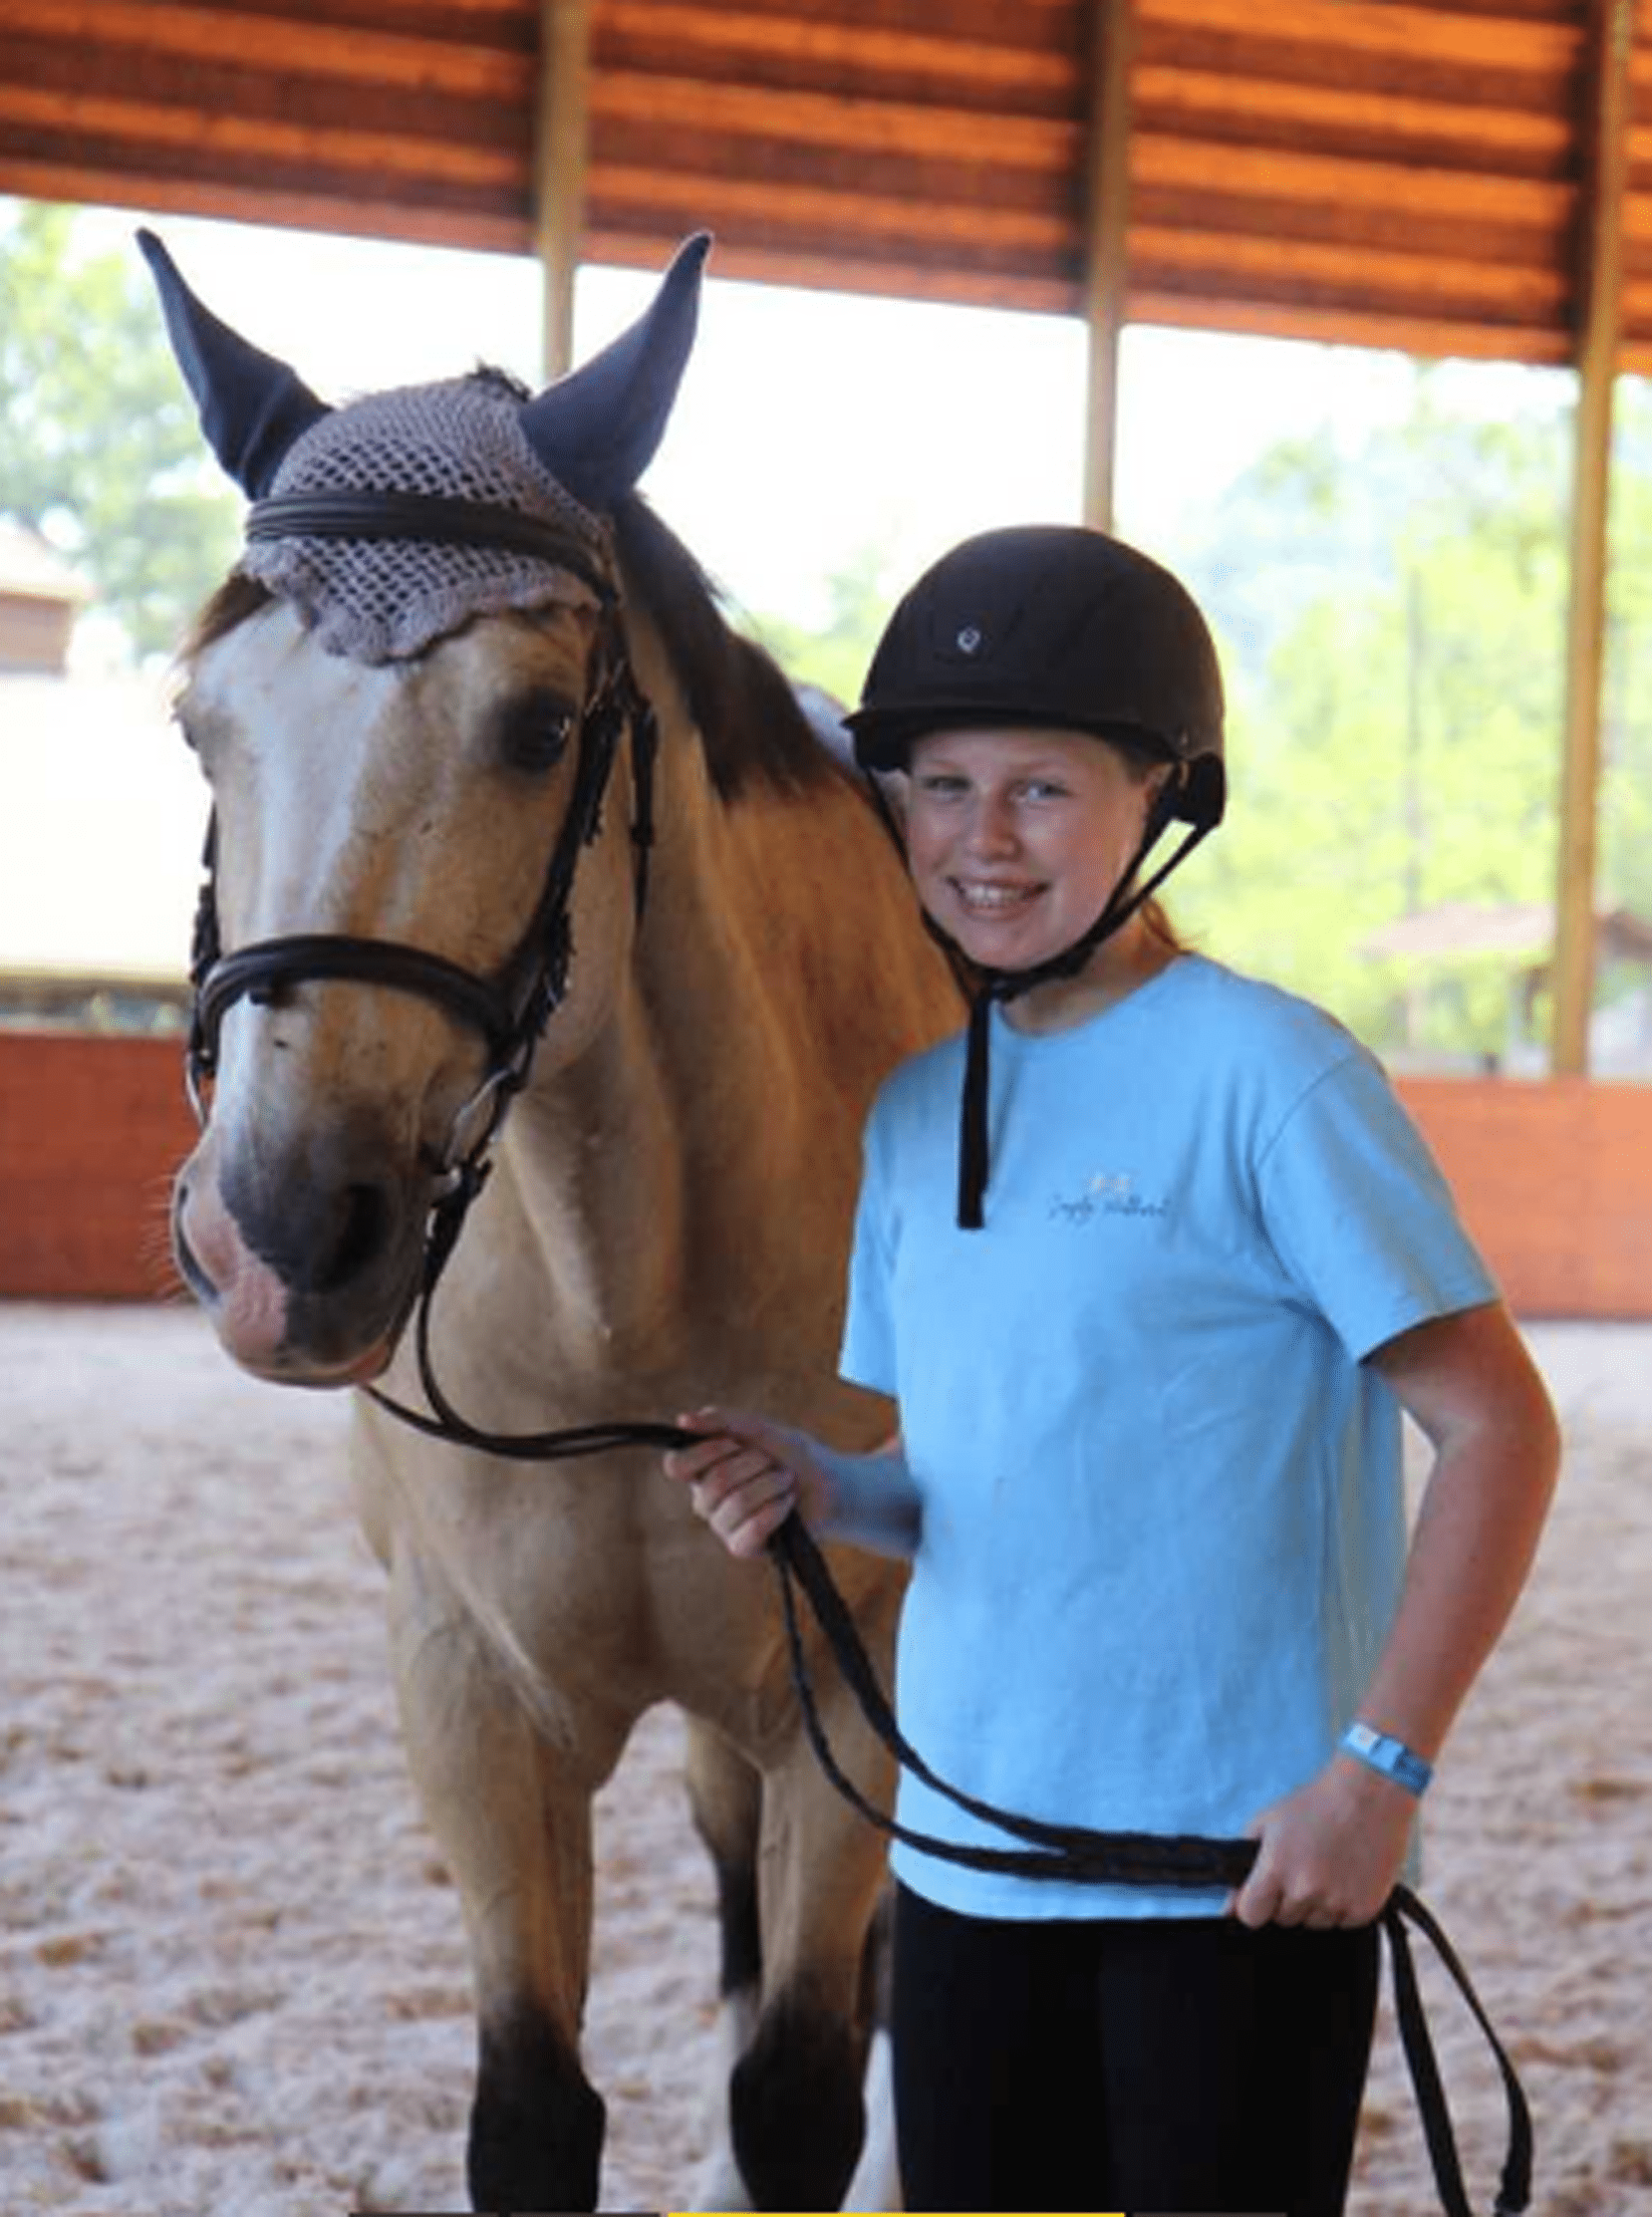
x,y
1049,1851
510,1011
1074,1852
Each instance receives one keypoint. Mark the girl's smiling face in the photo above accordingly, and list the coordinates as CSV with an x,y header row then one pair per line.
x,y
1017,836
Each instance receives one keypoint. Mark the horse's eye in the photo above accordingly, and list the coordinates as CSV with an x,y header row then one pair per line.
x,y
534,731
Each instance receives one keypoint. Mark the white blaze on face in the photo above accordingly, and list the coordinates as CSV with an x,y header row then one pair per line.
x,y
284,733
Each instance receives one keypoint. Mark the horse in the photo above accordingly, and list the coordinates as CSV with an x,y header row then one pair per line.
x,y
536,909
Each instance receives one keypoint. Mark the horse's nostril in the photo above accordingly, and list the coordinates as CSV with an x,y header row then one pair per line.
x,y
318,1235
363,1226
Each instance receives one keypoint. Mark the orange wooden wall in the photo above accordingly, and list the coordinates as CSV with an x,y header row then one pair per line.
x,y
91,1129
1554,1179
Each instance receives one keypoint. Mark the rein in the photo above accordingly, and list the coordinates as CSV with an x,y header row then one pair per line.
x,y
1052,1851
510,1011
1048,1851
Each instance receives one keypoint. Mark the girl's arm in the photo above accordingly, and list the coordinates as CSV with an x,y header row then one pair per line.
x,y
1332,1852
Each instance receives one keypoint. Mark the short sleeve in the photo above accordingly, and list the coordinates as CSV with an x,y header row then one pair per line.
x,y
1361,1215
867,1358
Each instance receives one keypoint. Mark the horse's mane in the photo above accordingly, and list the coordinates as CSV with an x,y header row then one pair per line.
x,y
751,726
237,599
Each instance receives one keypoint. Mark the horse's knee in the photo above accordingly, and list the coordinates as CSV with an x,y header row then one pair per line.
x,y
796,2106
536,2127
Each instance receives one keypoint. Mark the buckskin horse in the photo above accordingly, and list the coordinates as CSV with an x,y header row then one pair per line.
x,y
506,815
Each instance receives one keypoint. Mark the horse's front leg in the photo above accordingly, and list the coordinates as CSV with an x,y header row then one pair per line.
x,y
797,2106
796,2099
514,1820
726,1795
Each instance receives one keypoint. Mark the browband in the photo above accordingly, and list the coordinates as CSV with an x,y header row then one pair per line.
x,y
435,517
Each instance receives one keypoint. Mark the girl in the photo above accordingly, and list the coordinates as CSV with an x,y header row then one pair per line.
x,y
1150,1308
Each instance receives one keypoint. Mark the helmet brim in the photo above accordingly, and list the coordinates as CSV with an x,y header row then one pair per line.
x,y
883,741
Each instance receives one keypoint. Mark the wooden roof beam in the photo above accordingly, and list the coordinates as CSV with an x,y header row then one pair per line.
x,y
561,155
268,41
1601,299
1106,248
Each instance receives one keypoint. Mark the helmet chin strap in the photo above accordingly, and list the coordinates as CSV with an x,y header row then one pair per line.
x,y
973,1155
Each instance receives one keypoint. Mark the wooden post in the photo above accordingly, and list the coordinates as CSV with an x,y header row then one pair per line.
x,y
1598,328
562,124
1106,248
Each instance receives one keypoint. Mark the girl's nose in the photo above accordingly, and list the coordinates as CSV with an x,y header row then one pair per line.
x,y
991,826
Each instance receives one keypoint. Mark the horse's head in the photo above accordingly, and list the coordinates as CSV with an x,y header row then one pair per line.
x,y
406,703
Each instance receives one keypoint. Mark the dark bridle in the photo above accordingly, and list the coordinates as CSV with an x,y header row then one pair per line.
x,y
511,1009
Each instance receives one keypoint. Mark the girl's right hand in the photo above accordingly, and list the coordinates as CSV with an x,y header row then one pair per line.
x,y
745,1476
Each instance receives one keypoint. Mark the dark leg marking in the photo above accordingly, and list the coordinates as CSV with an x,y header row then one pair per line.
x,y
536,2127
742,1964
795,2102
877,1992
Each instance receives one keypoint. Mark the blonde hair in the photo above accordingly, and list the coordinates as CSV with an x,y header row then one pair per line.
x,y
1158,923
1142,761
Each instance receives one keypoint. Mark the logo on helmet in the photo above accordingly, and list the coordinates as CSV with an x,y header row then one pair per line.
x,y
969,640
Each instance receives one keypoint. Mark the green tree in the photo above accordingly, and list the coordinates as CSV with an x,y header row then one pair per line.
x,y
1626,728
1395,619
100,446
834,652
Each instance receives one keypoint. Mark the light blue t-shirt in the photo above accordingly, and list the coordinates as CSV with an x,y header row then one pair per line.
x,y
1163,1525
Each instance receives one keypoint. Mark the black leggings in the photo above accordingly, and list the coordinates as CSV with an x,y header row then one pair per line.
x,y
1167,2064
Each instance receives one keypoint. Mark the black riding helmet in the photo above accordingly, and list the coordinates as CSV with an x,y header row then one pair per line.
x,y
1050,623
1060,625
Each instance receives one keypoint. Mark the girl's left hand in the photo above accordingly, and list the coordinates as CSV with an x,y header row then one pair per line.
x,y
1330,1853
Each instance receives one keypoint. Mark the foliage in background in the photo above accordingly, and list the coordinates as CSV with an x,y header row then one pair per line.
x,y
1396,628
99,445
1626,712
834,652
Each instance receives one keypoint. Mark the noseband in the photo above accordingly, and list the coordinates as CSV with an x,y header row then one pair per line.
x,y
511,1009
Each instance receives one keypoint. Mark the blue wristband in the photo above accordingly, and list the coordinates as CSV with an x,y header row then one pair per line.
x,y
1392,1758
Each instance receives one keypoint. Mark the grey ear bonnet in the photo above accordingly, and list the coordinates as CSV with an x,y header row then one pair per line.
x,y
562,458
386,600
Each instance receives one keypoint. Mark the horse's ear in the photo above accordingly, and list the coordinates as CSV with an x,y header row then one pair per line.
x,y
252,406
595,429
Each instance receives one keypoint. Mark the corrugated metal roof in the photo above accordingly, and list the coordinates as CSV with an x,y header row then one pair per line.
x,y
1403,172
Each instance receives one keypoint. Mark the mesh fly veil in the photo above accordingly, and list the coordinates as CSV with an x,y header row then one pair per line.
x,y
386,600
